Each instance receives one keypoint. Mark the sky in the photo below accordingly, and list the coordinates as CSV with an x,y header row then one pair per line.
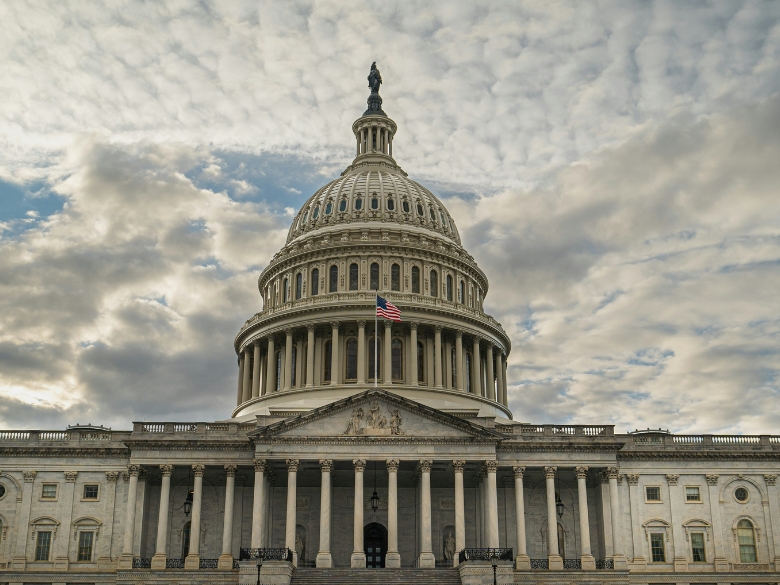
x,y
613,167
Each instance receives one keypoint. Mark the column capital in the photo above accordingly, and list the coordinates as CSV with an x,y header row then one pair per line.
x,y
581,472
550,472
459,334
712,478
261,464
388,323
166,469
29,476
770,479
289,332
413,325
491,465
437,328
198,469
112,476
311,327
459,465
613,472
134,470
425,465
359,464
392,465
292,465
519,472
672,478
633,478
334,325
70,476
230,470
361,323
326,465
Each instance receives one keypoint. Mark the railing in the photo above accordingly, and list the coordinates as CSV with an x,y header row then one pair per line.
x,y
53,436
14,435
485,554
687,439
538,564
648,440
154,427
572,563
704,440
208,564
184,427
95,436
736,439
217,427
605,564
562,430
174,563
267,554
141,563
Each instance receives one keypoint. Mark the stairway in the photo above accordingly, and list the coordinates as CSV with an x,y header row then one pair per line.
x,y
376,577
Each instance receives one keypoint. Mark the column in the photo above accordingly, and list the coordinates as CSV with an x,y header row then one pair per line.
x,y
678,535
413,353
240,396
192,562
358,554
288,360
324,558
588,562
554,558
258,504
266,530
437,361
226,558
721,563
104,560
393,557
161,547
429,360
460,510
522,562
361,355
476,386
299,366
492,499
270,365
246,394
638,562
20,558
448,364
614,508
126,562
490,391
499,371
504,397
388,351
310,356
257,372
335,363
292,488
427,560
459,360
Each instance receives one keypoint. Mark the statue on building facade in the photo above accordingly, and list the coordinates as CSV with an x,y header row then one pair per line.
x,y
449,547
395,423
353,426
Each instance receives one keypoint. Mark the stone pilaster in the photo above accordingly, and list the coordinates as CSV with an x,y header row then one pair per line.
x,y
192,562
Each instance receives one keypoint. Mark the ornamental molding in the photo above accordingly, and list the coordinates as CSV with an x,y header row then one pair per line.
x,y
581,472
198,469
230,470
134,470
426,465
633,478
112,476
519,472
392,465
770,479
359,465
549,472
326,465
672,478
747,482
712,479
292,465
70,476
166,469
459,465
491,466
29,476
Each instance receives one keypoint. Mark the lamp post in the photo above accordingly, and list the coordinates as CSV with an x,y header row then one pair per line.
x,y
494,562
259,561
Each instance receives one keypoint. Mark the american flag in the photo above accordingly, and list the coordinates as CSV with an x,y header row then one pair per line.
x,y
387,310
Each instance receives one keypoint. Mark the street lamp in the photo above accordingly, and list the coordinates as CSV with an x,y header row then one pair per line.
x,y
188,504
374,497
259,561
494,562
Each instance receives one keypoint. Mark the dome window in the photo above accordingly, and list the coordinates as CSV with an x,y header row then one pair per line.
x,y
430,212
353,276
358,204
395,277
374,202
420,210
443,221
415,280
316,213
405,206
305,217
391,204
343,205
328,208
374,275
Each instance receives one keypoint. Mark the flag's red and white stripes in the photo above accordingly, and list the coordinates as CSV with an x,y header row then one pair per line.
x,y
387,310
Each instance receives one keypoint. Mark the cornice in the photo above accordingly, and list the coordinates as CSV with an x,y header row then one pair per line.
x,y
364,441
40,451
189,444
547,446
719,454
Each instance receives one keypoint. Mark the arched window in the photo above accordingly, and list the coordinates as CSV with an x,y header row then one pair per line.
x,y
395,277
334,279
449,288
397,356
316,213
390,204
747,541
371,352
374,276
358,204
454,362
420,362
315,282
434,283
415,280
298,286
351,359
467,373
278,370
374,202
405,206
185,540
305,216
294,365
353,276
328,208
433,217
343,205
328,358
462,292
419,210
286,291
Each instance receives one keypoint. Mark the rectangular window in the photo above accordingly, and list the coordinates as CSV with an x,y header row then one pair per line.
x,y
692,494
85,546
657,548
42,546
90,492
652,493
49,491
697,547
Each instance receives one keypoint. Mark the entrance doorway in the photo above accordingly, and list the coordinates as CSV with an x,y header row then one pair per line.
x,y
375,543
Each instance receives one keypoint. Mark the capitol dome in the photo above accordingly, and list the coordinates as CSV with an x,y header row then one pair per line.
x,y
372,231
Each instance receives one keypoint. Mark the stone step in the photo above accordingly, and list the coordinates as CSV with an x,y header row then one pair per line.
x,y
376,576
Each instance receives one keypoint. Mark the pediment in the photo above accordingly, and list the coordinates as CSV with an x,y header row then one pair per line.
x,y
377,414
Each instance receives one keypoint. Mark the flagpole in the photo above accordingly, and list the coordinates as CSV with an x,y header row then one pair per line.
x,y
376,338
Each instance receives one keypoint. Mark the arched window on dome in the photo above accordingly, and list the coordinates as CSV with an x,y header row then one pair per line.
x,y
298,285
343,205
353,276
294,365
328,208
449,288
395,277
420,362
278,370
461,292
374,202
351,371
328,357
432,216
315,282
358,204
434,283
316,213
443,220
405,206
747,541
467,373
372,353
334,279
286,290
305,217
415,280
420,210
397,357
390,204
374,276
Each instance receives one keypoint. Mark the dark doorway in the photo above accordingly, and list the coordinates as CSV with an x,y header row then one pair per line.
x,y
375,543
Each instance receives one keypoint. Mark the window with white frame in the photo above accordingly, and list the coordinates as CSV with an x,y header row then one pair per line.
x,y
86,542
43,545
49,491
652,493
657,548
698,554
91,491
692,493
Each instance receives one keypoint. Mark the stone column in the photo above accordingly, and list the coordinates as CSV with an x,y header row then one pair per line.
x,y
476,386
192,562
413,352
429,375
490,391
246,394
270,364
61,559
427,559
226,558
499,372
288,351
588,562
324,558
618,556
678,535
358,560
393,557
104,560
638,562
461,384
292,489
240,396
554,557
161,548
448,364
720,560
437,361
310,356
256,371
492,499
504,396
361,355
388,351
335,363
522,561
258,504
460,510
126,562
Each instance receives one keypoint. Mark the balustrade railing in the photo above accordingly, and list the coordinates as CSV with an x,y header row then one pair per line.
x,y
53,436
538,564
267,554
572,563
174,563
208,564
605,564
14,435
142,563
485,554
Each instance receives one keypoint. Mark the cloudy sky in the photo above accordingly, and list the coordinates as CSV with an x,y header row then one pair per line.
x,y
614,167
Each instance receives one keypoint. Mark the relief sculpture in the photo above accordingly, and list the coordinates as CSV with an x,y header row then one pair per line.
x,y
376,423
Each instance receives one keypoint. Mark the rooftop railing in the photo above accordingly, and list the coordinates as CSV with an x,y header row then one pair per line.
x,y
195,428
61,436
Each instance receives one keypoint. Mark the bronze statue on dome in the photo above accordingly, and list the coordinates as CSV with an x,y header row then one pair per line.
x,y
374,78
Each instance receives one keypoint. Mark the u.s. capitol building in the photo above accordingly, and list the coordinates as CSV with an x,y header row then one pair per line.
x,y
357,451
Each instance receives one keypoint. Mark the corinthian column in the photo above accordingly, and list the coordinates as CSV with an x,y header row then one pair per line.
x,y
461,384
270,364
192,562
618,556
437,361
413,353
427,560
554,557
358,560
310,356
161,548
460,509
476,386
240,396
335,362
126,562
292,485
361,354
258,504
588,562
247,390
324,558
388,351
257,377
492,504
226,558
393,558
490,391
288,351
522,562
